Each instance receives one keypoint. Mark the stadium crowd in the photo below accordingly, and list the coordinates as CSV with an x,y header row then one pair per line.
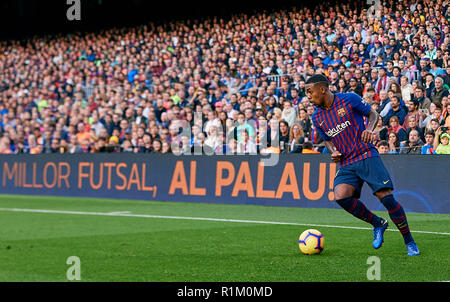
x,y
229,85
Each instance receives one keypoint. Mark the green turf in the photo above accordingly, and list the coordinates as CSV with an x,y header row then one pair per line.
x,y
35,246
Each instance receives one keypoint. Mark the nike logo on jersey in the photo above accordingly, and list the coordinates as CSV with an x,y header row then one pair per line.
x,y
385,182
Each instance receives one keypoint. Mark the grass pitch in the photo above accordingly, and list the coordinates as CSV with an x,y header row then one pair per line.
x,y
126,240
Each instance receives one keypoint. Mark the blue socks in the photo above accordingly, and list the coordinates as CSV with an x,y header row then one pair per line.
x,y
395,209
359,210
398,216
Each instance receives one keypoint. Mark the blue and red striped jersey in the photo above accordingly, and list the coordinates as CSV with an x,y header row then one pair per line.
x,y
343,125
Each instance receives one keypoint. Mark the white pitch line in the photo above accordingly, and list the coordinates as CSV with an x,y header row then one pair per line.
x,y
120,212
123,214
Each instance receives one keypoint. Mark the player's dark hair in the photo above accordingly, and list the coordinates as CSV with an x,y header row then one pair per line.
x,y
317,78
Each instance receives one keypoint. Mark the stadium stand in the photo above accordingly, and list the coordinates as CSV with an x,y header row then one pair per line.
x,y
235,85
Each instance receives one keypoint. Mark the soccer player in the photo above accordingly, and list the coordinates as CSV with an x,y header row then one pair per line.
x,y
339,120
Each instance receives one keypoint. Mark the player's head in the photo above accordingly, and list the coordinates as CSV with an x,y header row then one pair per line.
x,y
316,87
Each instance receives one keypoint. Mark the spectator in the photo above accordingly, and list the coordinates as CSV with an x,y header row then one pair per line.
x,y
382,82
444,146
354,87
222,147
446,115
413,110
435,69
5,147
394,143
232,143
308,148
296,139
74,147
243,124
424,102
438,91
381,129
427,148
384,101
433,125
165,147
212,140
156,146
289,113
113,145
413,145
406,88
82,133
55,146
396,111
246,146
85,146
383,147
436,114
127,146
284,135
414,125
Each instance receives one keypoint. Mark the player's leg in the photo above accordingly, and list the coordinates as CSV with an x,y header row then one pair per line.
x,y
347,189
348,199
377,177
398,216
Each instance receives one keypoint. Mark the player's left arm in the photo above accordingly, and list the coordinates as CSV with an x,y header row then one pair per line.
x,y
370,134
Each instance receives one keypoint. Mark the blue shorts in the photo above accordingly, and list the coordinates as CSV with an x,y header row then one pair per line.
x,y
370,170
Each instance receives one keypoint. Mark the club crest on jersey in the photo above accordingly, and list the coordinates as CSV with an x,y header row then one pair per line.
x,y
341,112
338,129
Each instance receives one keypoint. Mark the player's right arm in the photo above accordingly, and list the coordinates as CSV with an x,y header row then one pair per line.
x,y
336,156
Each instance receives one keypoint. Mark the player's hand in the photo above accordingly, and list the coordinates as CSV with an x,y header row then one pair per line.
x,y
368,136
336,156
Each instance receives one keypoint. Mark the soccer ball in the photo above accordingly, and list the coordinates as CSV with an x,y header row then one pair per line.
x,y
311,242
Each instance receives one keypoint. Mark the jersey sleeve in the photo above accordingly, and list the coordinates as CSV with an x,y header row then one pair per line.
x,y
358,104
319,130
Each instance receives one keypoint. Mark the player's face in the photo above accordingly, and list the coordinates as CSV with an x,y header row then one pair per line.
x,y
315,93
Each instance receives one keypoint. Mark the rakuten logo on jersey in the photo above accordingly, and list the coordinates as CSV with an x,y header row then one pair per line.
x,y
338,129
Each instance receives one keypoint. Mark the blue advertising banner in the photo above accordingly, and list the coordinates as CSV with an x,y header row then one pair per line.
x,y
421,181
